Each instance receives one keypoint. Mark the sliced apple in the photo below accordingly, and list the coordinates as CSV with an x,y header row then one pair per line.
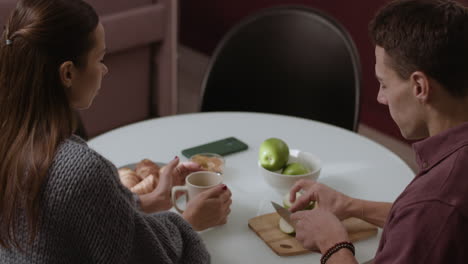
x,y
285,227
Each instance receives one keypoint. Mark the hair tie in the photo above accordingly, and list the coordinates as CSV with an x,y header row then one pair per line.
x,y
9,42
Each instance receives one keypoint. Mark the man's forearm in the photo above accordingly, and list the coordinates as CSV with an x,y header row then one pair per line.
x,y
373,212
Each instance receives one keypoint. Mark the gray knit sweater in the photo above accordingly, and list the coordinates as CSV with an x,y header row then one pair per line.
x,y
89,217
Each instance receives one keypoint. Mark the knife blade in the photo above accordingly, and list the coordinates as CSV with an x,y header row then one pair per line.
x,y
284,213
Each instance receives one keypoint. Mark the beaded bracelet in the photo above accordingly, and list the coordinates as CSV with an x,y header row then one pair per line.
x,y
336,248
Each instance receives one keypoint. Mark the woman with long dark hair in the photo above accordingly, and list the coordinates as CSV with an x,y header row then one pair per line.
x,y
61,202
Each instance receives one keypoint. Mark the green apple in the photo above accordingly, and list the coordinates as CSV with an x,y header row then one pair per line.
x,y
273,154
287,204
295,168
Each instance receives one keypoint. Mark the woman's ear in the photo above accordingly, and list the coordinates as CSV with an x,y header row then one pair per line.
x,y
420,86
66,72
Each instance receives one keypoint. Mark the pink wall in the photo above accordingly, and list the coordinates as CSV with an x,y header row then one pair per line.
x,y
204,22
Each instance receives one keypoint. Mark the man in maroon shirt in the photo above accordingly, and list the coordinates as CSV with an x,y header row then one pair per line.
x,y
422,66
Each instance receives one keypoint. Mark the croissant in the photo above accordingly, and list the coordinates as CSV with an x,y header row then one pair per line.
x,y
128,177
146,185
208,163
145,168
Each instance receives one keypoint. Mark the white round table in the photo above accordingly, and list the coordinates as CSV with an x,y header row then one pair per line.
x,y
352,164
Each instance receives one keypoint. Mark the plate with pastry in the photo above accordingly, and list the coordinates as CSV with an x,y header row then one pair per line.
x,y
141,177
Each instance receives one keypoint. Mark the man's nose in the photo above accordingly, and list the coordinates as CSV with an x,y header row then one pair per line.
x,y
381,98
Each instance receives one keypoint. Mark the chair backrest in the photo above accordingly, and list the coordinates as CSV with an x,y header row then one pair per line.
x,y
287,60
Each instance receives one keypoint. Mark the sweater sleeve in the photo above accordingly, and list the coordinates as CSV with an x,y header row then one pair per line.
x,y
102,219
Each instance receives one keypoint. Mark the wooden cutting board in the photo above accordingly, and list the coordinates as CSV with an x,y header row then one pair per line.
x,y
267,228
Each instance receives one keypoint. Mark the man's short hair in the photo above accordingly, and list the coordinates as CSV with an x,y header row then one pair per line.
x,y
425,35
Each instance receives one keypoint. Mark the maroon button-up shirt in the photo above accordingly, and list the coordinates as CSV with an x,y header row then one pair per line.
x,y
428,223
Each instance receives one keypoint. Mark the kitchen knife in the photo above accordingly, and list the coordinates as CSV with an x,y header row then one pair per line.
x,y
284,213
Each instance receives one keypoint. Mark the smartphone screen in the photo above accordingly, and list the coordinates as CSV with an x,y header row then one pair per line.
x,y
222,147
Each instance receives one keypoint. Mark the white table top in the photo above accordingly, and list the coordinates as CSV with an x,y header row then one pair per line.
x,y
352,164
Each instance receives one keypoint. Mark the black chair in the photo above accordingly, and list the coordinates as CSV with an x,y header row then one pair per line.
x,y
287,60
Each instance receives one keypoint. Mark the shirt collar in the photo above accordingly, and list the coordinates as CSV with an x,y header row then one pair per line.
x,y
432,150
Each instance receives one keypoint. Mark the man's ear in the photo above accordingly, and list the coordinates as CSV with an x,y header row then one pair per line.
x,y
420,85
66,72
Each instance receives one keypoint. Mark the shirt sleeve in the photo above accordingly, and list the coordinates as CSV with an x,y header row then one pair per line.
x,y
105,225
425,232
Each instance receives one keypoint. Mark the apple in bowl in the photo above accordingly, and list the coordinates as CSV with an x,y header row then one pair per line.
x,y
310,169
273,154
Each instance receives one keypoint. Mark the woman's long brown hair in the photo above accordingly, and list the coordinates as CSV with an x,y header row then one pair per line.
x,y
35,115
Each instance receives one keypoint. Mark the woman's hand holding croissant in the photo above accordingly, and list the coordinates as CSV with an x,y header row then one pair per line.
x,y
170,175
154,185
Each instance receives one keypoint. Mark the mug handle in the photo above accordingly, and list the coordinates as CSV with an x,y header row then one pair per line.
x,y
174,190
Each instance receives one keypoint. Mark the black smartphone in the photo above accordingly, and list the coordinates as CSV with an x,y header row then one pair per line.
x,y
222,147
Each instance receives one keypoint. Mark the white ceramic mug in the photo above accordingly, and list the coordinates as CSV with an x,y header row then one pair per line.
x,y
196,183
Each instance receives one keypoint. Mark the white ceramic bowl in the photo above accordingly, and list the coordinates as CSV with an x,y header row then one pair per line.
x,y
283,183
